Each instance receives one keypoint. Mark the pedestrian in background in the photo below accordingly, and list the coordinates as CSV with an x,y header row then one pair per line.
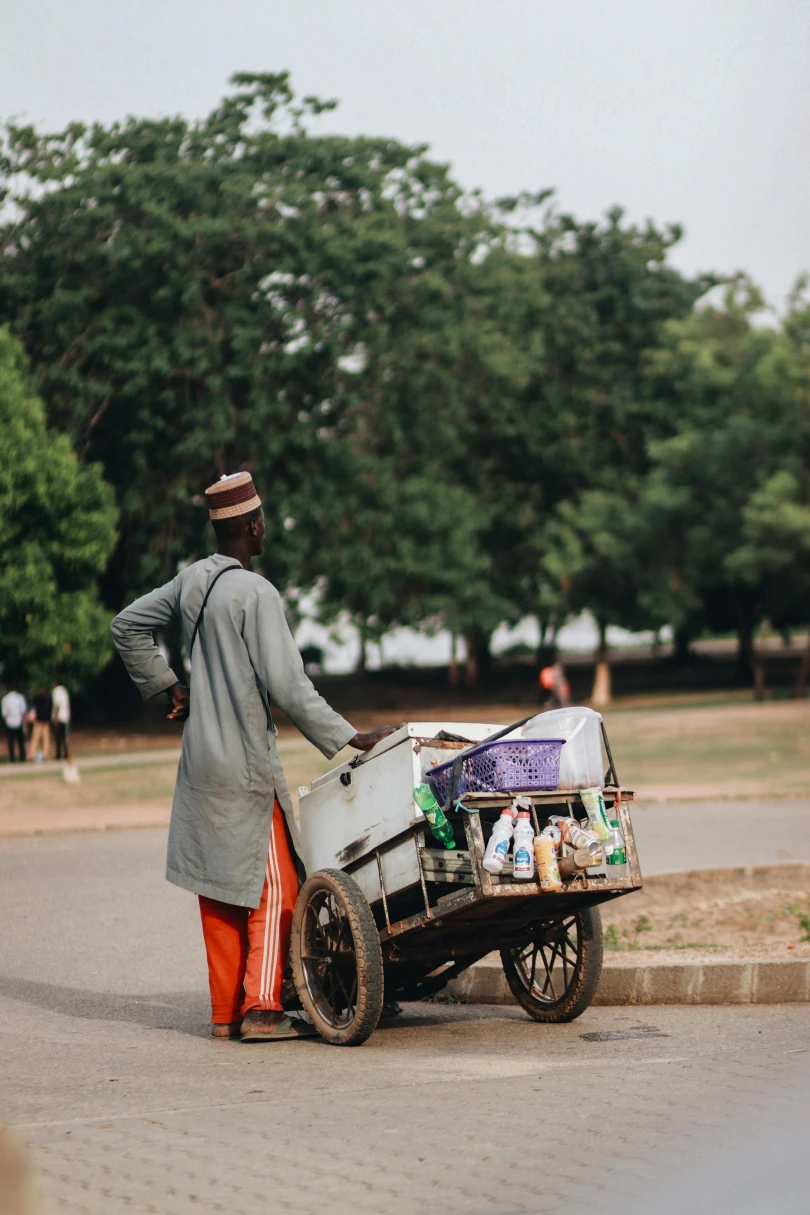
x,y
14,709
41,726
555,690
60,718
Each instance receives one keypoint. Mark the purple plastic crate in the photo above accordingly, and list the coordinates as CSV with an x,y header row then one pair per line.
x,y
504,767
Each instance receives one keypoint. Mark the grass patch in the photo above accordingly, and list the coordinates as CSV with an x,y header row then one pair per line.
x,y
737,746
135,784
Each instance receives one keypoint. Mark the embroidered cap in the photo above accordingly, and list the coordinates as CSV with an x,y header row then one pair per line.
x,y
232,496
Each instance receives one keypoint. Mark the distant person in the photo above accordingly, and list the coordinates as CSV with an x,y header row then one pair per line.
x,y
61,720
233,839
14,709
40,726
555,690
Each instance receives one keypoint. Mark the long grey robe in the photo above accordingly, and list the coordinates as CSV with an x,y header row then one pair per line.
x,y
229,767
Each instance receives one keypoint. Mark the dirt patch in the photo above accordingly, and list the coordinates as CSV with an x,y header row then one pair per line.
x,y
752,912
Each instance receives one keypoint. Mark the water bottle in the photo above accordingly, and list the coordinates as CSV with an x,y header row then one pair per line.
x,y
443,831
523,860
618,854
498,847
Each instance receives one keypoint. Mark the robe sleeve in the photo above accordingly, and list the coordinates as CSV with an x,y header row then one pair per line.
x,y
277,662
133,632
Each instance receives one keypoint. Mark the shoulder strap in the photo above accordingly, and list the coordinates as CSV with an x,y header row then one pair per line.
x,y
211,586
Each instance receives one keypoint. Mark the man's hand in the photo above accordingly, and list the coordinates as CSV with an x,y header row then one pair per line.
x,y
364,742
180,701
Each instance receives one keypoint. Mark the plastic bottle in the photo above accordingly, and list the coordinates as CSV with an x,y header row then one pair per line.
x,y
618,855
498,847
594,804
443,831
523,859
548,873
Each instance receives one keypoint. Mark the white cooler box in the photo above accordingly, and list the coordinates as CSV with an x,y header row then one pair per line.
x,y
342,820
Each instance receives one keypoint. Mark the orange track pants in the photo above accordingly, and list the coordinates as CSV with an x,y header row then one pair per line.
x,y
247,948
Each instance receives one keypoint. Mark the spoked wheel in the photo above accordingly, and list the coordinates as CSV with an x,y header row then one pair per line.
x,y
336,958
554,975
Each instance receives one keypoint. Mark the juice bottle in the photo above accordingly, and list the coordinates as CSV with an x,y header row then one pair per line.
x,y
548,873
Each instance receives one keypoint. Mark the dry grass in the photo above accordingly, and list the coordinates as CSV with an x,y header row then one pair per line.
x,y
723,750
708,750
149,785
761,911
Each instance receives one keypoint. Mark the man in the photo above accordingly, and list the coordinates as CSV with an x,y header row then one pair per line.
x,y
40,726
13,709
60,720
233,839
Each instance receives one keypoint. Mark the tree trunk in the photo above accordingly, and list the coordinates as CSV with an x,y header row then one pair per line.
x,y
478,658
455,674
681,652
749,661
601,695
548,633
362,657
804,670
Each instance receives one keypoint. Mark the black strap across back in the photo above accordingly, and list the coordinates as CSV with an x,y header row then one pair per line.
x,y
198,622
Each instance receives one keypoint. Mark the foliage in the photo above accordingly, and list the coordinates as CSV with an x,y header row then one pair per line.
x,y
725,502
568,445
57,529
458,414
199,297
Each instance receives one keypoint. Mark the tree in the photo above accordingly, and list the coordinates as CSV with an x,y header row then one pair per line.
x,y
565,454
725,501
198,297
57,529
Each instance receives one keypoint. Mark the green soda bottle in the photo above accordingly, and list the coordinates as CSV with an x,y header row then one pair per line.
x,y
619,854
423,796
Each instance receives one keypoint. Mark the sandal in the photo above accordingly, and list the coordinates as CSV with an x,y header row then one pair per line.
x,y
259,1025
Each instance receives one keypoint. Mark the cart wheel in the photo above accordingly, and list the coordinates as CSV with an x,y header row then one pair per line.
x,y
336,958
554,976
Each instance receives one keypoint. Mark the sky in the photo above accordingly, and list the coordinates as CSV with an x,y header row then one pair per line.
x,y
696,112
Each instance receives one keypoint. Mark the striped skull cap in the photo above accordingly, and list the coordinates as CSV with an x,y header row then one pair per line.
x,y
232,496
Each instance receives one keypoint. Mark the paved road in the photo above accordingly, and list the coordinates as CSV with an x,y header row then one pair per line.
x,y
126,1104
700,835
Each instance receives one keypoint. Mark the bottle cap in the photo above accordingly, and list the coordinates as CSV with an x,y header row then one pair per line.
x,y
524,814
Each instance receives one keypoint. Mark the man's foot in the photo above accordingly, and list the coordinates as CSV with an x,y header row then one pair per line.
x,y
390,1008
229,1030
260,1025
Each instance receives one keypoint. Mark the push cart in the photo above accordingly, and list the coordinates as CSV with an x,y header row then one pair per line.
x,y
388,913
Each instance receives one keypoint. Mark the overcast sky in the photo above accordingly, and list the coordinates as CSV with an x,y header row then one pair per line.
x,y
696,111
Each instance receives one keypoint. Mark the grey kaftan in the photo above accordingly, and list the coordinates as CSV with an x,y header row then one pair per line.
x,y
229,767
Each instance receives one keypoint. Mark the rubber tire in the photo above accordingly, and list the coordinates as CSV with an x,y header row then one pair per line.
x,y
582,988
367,952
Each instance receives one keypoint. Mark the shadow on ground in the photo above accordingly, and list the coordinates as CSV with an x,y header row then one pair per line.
x,y
185,1012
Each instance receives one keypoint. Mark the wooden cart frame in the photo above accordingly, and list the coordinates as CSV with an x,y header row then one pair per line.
x,y
348,960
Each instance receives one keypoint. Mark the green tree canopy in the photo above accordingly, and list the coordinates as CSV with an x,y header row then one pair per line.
x,y
57,529
200,297
724,504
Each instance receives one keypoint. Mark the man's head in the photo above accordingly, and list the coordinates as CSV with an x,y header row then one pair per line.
x,y
235,510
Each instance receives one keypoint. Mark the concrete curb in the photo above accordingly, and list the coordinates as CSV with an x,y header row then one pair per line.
x,y
754,982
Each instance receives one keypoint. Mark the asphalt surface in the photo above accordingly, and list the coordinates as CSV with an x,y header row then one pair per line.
x,y
127,1104
673,836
